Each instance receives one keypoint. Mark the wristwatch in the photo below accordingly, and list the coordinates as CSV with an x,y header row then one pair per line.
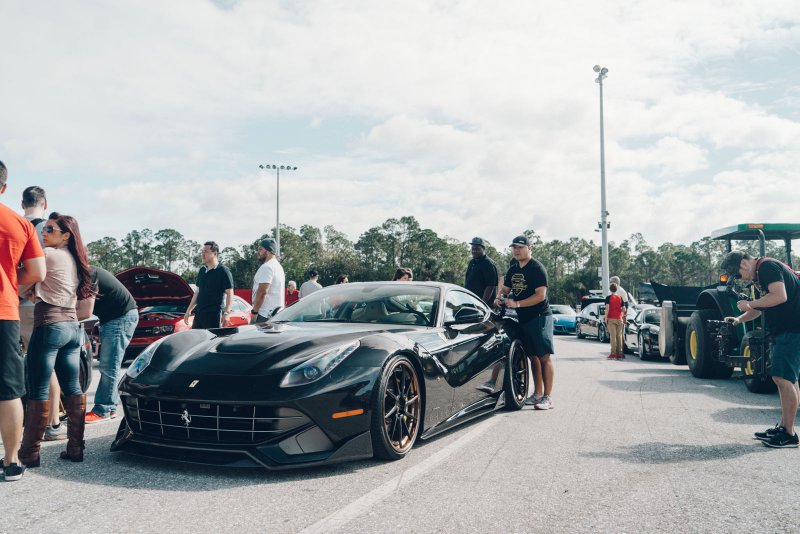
x,y
253,312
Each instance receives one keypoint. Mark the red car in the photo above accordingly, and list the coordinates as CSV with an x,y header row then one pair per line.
x,y
162,298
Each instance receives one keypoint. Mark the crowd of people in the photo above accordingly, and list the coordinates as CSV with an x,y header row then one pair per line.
x,y
47,286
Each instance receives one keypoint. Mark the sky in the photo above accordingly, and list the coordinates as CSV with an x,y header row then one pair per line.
x,y
478,118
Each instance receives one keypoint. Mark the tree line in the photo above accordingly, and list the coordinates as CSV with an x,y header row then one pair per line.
x,y
572,265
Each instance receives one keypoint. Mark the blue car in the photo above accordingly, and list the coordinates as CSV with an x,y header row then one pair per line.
x,y
563,319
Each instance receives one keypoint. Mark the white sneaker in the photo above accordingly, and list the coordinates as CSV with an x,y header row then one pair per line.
x,y
534,400
52,433
545,404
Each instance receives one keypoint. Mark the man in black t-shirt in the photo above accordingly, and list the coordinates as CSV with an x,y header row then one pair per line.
x,y
779,288
481,276
214,282
525,284
118,316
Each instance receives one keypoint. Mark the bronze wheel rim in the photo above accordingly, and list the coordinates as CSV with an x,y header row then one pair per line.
x,y
519,374
401,407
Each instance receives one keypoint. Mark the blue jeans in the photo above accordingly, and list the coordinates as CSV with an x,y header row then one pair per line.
x,y
114,338
54,346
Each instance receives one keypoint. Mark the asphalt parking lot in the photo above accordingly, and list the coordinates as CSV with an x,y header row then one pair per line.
x,y
630,446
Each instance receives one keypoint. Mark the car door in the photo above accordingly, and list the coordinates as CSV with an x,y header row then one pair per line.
x,y
475,348
592,320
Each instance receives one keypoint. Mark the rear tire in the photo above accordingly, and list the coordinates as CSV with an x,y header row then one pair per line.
x,y
515,383
699,356
396,410
753,382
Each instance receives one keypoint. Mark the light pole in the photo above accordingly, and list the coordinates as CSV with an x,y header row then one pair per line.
x,y
601,74
278,169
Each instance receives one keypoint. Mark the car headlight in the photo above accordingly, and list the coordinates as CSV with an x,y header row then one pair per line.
x,y
163,329
318,366
143,360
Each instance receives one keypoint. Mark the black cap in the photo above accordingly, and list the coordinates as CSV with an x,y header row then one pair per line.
x,y
730,263
520,240
477,242
268,245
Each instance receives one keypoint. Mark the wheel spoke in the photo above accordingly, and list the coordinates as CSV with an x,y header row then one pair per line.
x,y
390,412
412,399
391,394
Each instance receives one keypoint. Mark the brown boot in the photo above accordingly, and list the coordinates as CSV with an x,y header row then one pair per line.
x,y
37,415
75,405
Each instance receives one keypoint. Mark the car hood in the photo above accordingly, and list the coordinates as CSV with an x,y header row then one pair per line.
x,y
150,287
266,349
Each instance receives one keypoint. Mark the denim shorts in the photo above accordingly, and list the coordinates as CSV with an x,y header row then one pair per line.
x,y
786,356
537,336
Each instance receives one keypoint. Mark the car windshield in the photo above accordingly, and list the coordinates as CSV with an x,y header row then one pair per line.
x,y
383,303
652,317
562,309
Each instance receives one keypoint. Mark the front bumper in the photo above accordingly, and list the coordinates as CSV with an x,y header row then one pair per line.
x,y
237,429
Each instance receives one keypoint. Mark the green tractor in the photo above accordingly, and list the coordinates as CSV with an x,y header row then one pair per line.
x,y
693,329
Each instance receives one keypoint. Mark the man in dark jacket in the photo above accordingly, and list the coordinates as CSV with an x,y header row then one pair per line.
x,y
481,276
779,288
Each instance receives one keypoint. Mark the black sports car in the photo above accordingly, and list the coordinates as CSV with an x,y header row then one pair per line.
x,y
641,332
350,371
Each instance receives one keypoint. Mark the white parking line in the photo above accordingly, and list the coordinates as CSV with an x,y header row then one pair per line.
x,y
346,514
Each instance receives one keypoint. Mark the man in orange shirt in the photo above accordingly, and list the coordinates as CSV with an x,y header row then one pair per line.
x,y
18,242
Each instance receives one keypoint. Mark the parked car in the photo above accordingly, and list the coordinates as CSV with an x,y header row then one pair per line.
x,y
589,323
564,318
162,298
350,371
641,332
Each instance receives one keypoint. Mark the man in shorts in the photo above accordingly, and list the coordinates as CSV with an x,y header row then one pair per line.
x,y
18,242
779,288
525,284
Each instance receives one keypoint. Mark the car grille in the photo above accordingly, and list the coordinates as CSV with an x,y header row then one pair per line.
x,y
210,422
147,331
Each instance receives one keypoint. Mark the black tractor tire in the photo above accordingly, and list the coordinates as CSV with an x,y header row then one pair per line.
x,y
754,383
517,379
678,357
700,357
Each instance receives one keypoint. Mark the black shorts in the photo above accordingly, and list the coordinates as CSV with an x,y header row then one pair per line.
x,y
203,320
12,367
537,336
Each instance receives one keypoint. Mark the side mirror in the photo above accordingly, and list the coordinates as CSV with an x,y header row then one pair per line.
x,y
592,314
466,315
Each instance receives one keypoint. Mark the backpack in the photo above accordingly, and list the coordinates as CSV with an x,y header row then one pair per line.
x,y
35,222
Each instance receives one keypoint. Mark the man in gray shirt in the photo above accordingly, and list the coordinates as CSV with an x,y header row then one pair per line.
x,y
310,285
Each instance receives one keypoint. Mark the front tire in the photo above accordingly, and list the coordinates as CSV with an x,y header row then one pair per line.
x,y
602,334
641,352
699,356
396,410
515,384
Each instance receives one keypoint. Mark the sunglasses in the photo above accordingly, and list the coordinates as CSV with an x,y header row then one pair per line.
x,y
51,229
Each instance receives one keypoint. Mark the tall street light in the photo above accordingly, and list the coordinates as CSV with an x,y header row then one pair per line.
x,y
278,169
601,75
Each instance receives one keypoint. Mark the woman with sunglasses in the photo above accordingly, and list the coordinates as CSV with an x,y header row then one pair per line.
x,y
56,338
